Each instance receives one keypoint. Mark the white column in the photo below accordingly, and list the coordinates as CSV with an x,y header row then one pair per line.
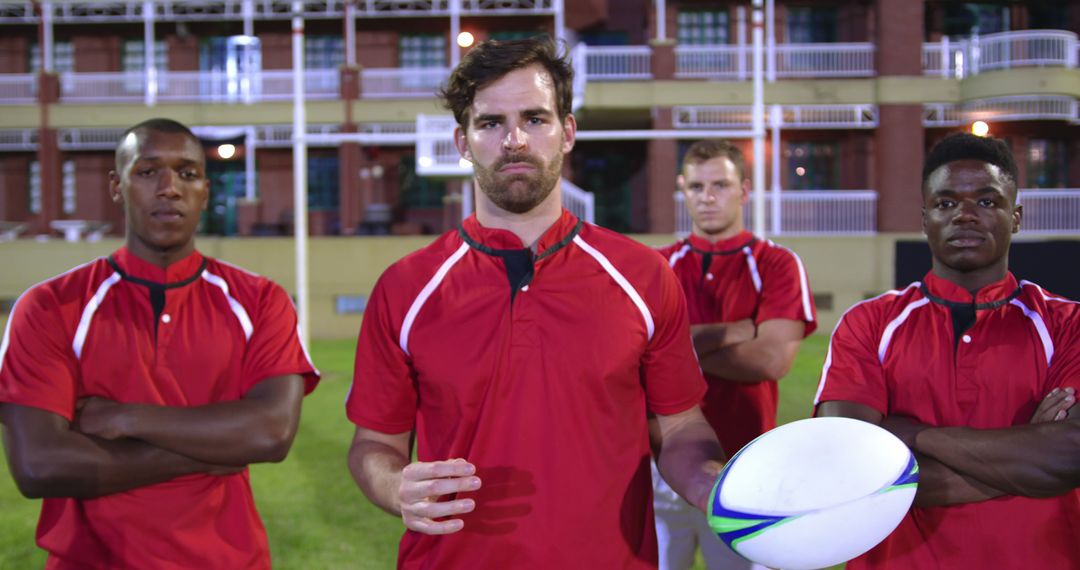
x,y
758,111
560,20
148,53
740,39
776,118
300,170
661,20
350,33
770,39
47,64
455,29
248,9
250,141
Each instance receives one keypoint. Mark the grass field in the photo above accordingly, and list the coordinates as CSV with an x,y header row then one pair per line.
x,y
314,514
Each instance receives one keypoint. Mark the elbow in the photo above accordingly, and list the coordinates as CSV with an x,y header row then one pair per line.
x,y
40,479
273,446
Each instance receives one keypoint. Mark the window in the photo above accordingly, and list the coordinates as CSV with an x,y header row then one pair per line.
x,y
517,35
63,57
422,50
35,187
811,25
133,60
419,191
323,183
67,187
813,165
1047,165
965,19
324,52
702,27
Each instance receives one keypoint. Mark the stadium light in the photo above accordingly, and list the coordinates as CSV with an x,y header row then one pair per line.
x,y
226,151
465,39
980,128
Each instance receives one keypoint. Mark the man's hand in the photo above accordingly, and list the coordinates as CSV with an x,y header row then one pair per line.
x,y
708,337
422,484
904,428
1055,406
99,417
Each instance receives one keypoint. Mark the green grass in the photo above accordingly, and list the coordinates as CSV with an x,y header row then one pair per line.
x,y
314,514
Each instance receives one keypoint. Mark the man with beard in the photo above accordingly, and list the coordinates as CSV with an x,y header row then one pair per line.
x,y
750,307
524,351
976,372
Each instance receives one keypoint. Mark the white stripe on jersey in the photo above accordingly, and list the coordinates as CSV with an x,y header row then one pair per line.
x,y
618,277
681,253
237,308
828,355
1040,326
890,329
88,313
752,264
418,303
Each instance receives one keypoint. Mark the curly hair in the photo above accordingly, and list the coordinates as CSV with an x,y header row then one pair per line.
x,y
966,146
492,59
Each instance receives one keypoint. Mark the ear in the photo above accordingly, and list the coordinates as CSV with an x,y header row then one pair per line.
x,y
680,182
569,133
1017,216
923,218
745,192
206,194
114,188
462,143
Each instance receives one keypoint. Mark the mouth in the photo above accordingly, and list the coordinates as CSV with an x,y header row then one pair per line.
x,y
167,215
517,168
966,240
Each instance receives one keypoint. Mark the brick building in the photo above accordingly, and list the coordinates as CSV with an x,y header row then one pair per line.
x,y
857,91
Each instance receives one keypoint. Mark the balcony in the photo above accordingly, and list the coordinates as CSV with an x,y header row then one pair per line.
x,y
805,212
1004,50
999,109
1050,211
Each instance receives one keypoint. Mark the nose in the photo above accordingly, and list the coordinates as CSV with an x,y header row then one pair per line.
x,y
966,212
514,139
167,183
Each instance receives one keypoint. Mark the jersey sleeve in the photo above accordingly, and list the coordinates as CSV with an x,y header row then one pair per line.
x,y
785,290
1064,369
383,396
852,371
670,370
38,367
275,348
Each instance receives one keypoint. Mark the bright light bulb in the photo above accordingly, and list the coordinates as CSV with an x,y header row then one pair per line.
x,y
980,128
226,151
465,39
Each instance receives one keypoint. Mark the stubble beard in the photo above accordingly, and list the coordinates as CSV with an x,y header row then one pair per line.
x,y
519,193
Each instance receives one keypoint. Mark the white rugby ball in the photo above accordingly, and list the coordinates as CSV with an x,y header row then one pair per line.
x,y
813,493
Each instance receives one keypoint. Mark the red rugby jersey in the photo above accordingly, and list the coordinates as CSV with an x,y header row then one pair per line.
x,y
92,332
898,353
546,394
741,278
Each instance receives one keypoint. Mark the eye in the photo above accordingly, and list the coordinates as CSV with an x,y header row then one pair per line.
x,y
536,121
145,172
189,175
696,188
987,203
489,124
945,204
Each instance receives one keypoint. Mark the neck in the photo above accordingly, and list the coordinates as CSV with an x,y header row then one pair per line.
x,y
972,281
527,226
730,232
162,258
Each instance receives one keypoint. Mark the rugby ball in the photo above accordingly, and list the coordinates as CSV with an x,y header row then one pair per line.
x,y
813,493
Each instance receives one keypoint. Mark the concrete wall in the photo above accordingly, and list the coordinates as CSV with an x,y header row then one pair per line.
x,y
847,269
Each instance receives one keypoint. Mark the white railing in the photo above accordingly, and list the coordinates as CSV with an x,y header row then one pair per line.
x,y
825,60
197,86
579,60
18,139
436,154
16,88
618,63
402,82
856,116
580,202
712,62
319,84
1004,50
1011,108
118,87
807,212
1050,211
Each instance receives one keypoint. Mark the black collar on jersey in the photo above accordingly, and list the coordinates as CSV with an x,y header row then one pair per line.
x,y
735,249
155,289
519,262
961,305
154,284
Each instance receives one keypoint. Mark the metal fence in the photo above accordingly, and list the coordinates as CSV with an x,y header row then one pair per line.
x,y
580,202
18,88
825,60
806,212
402,82
1003,50
618,63
1050,211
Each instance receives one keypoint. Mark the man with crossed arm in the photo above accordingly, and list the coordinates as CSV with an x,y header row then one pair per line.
x,y
977,373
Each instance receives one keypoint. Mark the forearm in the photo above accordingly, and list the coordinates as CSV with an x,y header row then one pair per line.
x,y
940,486
752,361
708,337
690,460
376,467
1035,460
79,466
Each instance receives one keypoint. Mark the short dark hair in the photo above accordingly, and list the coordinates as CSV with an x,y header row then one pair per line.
x,y
705,150
966,146
492,59
157,124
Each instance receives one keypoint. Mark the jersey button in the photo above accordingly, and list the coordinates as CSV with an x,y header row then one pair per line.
x,y
165,319
709,276
966,339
